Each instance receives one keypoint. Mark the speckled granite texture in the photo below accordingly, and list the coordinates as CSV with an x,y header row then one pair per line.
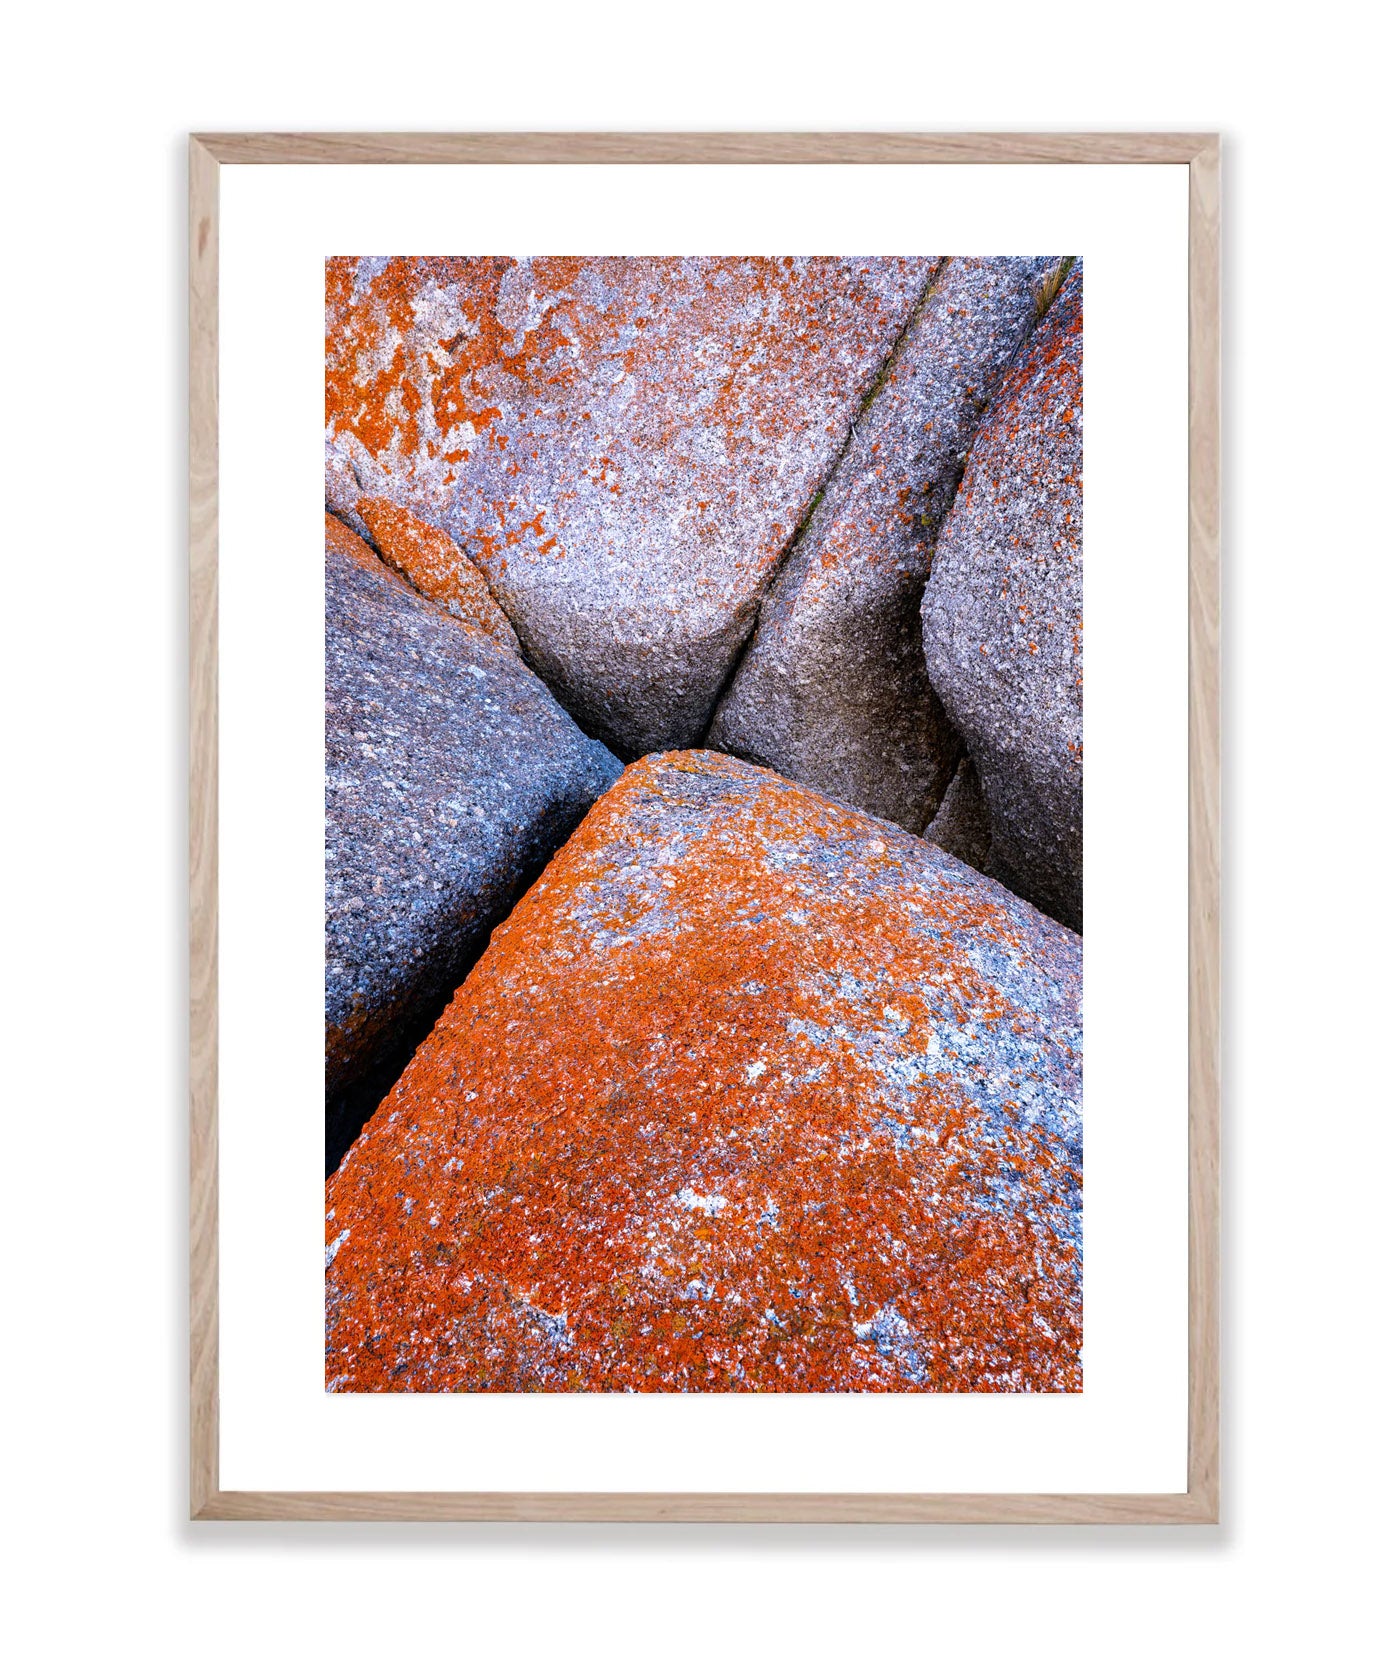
x,y
833,690
451,776
750,1092
625,446
436,567
1003,612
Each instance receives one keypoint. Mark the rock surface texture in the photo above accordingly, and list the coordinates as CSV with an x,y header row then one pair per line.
x,y
751,1091
451,776
1003,613
625,446
436,568
833,690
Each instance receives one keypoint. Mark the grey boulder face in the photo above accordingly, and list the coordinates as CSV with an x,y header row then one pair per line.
x,y
452,776
624,445
833,690
1003,613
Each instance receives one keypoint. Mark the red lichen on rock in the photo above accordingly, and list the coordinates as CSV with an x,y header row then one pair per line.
x,y
435,566
750,1092
342,541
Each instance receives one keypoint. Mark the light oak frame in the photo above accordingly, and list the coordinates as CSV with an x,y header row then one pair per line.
x,y
1201,153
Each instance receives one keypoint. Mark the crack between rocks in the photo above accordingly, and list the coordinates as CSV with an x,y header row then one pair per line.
x,y
882,373
479,570
404,578
790,547
1048,291
485,577
936,529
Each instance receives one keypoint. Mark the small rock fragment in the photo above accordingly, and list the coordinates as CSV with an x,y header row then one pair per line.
x,y
961,825
436,567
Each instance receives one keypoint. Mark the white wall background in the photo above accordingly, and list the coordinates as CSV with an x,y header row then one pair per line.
x,y
106,1573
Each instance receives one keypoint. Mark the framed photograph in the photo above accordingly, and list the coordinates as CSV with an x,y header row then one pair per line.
x,y
704,838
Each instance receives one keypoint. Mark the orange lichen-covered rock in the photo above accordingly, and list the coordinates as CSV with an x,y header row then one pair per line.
x,y
750,1092
435,566
1003,613
624,445
833,690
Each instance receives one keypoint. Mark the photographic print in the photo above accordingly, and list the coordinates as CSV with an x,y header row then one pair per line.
x,y
703,824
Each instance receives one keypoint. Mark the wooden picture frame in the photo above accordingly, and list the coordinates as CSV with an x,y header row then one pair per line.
x,y
1201,153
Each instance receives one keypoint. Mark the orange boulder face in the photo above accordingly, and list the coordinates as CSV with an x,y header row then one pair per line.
x,y
750,1092
624,445
435,566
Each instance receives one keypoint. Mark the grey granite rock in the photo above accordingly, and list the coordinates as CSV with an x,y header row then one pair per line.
x,y
1003,613
624,445
833,689
452,776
